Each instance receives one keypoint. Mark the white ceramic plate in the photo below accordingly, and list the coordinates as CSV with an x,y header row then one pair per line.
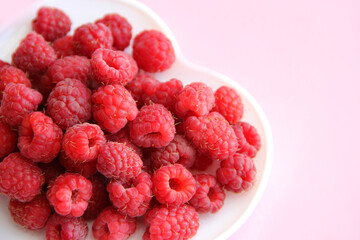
x,y
237,207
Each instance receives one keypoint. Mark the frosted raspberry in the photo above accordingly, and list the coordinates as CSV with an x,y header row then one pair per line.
x,y
99,199
31,215
237,173
69,103
51,170
113,107
202,162
248,139
86,169
122,136
66,228
82,142
153,127
12,74
212,134
8,140
229,104
64,46
153,51
20,178
69,194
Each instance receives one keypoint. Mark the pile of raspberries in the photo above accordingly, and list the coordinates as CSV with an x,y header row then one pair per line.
x,y
88,133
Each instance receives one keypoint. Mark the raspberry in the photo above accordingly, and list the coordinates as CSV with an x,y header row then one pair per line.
x,y
51,23
82,142
117,161
110,67
3,63
122,136
195,99
132,199
237,173
146,235
174,223
69,103
173,185
153,127
76,67
34,55
202,162
89,37
228,103
86,169
44,85
110,224
69,194
248,139
18,100
153,51
209,196
64,46
8,140
66,228
167,93
113,107
20,178
179,151
51,170
212,134
120,29
12,74
31,215
39,138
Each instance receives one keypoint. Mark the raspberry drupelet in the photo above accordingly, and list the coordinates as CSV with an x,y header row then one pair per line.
x,y
11,74
66,228
64,46
248,139
8,139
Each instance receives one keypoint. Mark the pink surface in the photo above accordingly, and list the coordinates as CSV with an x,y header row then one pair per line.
x,y
301,61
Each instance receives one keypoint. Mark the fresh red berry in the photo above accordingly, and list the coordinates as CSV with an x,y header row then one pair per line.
x,y
66,228
86,169
11,74
69,103
212,134
146,235
20,178
110,224
69,194
44,85
34,55
229,104
3,63
18,100
51,170
31,215
248,139
173,185
91,36
113,107
82,142
132,198
167,93
64,46
153,127
153,51
202,162
39,138
120,29
8,140
117,161
122,136
237,173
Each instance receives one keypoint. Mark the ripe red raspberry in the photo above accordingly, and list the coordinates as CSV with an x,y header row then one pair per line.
x,y
202,162
113,107
167,93
122,136
91,36
120,29
179,151
64,46
153,127
51,23
174,223
12,74
209,196
110,67
86,169
195,99
3,63
229,104
153,51
18,100
39,138
69,194
8,140
51,170
31,215
69,103
117,161
248,139
237,173
66,228
82,142
212,134
173,185
99,199
44,85
146,235
76,67
133,198
110,224
34,55
20,178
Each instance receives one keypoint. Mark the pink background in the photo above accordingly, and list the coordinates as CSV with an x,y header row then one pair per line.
x,y
301,61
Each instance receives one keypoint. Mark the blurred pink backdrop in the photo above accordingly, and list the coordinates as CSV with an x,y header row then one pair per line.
x,y
301,61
